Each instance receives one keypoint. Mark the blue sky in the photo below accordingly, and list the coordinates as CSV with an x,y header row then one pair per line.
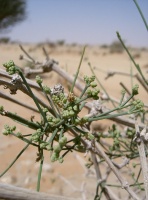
x,y
83,21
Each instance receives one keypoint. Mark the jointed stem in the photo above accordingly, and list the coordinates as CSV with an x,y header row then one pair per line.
x,y
40,172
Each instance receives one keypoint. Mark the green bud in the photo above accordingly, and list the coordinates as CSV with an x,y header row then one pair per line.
x,y
89,92
9,64
39,80
10,67
54,157
56,120
39,131
49,118
135,89
48,147
6,132
62,141
69,108
57,148
1,108
90,136
86,79
60,160
45,110
92,78
84,119
43,145
46,89
19,135
64,100
77,121
71,113
93,84
75,108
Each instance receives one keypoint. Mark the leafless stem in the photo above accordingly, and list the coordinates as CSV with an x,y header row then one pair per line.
x,y
99,151
21,47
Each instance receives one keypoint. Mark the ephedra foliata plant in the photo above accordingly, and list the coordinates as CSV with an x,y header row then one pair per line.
x,y
61,129
61,115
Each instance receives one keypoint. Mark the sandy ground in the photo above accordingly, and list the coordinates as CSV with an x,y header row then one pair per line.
x,y
71,176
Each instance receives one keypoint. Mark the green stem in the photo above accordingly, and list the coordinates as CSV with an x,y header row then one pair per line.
x,y
84,90
76,76
108,117
143,18
49,100
80,100
40,173
32,95
15,160
21,120
129,98
25,140
132,59
123,94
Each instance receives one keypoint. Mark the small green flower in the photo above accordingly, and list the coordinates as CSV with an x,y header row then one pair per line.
x,y
19,135
39,80
57,148
1,108
48,147
89,92
60,159
8,130
10,63
84,119
71,113
90,136
46,89
11,67
135,89
54,157
43,145
93,84
92,78
62,141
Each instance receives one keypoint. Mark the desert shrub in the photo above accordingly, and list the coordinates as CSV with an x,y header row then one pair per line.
x,y
116,47
62,129
4,40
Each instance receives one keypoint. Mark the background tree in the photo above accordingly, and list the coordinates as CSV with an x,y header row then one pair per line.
x,y
11,12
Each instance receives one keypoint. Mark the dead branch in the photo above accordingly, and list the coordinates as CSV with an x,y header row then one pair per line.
x,y
9,192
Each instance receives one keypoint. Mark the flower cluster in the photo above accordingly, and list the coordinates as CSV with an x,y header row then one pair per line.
x,y
8,130
57,149
11,67
89,80
138,105
93,93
